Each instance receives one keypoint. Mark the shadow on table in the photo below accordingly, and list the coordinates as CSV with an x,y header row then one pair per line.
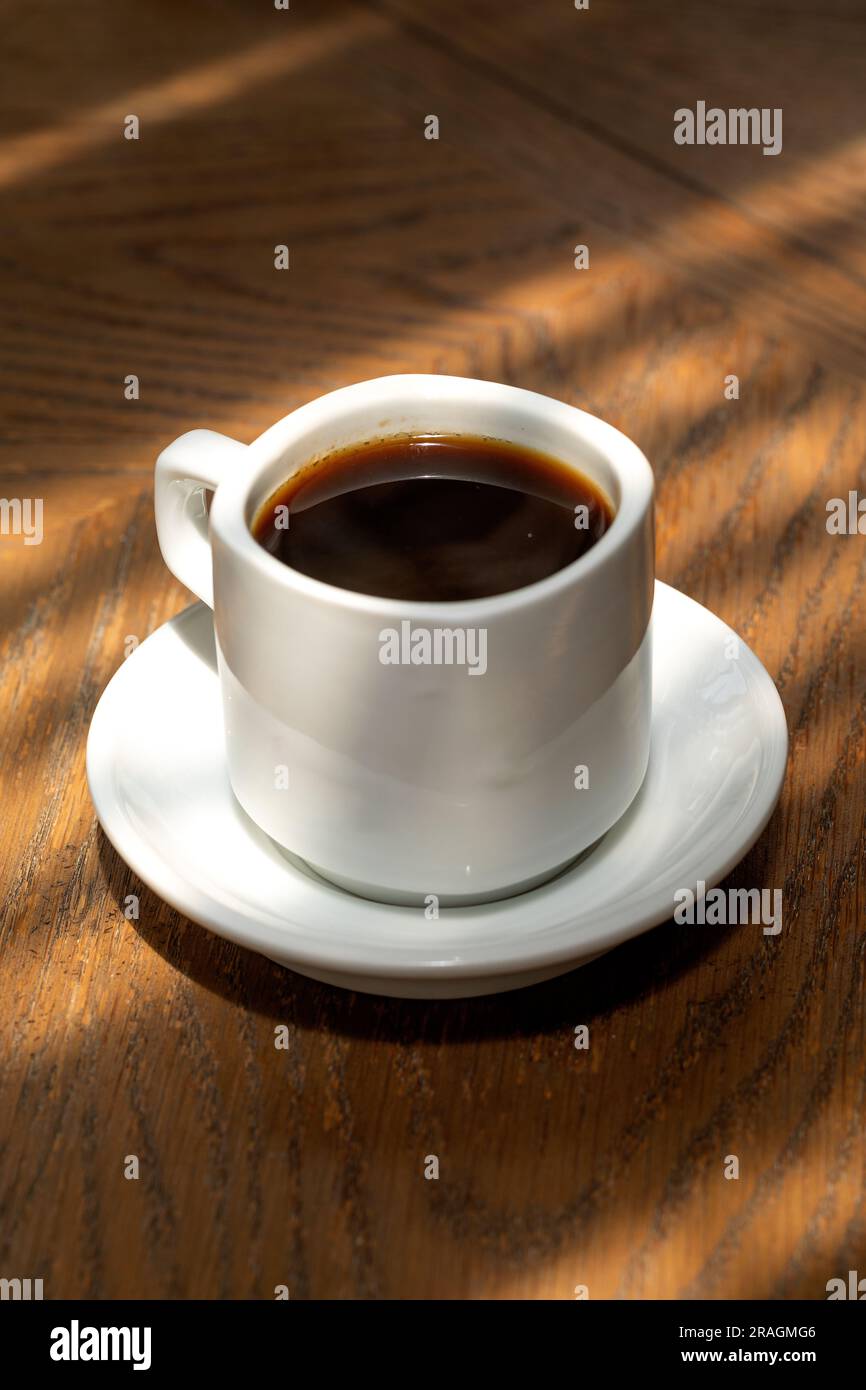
x,y
251,982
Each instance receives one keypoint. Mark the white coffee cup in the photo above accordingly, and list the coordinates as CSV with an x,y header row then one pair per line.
x,y
428,782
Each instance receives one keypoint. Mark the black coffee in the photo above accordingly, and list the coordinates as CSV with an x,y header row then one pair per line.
x,y
433,518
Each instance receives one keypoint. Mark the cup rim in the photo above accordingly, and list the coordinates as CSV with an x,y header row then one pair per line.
x,y
228,515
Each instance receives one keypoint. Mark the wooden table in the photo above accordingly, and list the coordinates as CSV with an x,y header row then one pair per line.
x,y
155,258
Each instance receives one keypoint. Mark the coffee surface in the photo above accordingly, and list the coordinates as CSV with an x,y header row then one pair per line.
x,y
433,518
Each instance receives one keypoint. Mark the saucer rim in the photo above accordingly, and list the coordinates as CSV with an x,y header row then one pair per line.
x,y
186,896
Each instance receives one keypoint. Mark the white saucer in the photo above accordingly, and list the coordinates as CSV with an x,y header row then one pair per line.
x,y
158,780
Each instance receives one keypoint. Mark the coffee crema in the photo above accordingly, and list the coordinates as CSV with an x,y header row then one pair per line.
x,y
433,517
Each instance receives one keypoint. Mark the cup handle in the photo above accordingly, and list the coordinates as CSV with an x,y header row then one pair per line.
x,y
194,464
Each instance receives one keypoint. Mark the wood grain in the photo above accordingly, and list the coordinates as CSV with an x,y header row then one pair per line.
x,y
305,1167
